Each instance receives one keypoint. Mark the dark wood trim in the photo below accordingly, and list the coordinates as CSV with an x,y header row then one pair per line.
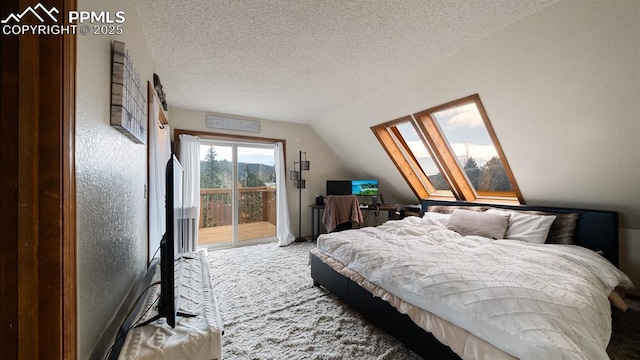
x,y
28,200
50,263
152,95
9,130
230,137
38,297
69,225
222,136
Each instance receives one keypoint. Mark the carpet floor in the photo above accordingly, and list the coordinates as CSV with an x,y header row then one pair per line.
x,y
271,310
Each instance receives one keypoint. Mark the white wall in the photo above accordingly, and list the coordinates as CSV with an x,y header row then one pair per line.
x,y
562,90
325,164
111,177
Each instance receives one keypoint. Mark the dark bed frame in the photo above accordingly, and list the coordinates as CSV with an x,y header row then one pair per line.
x,y
595,230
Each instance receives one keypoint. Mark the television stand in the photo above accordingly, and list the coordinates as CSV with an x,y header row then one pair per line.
x,y
199,334
158,317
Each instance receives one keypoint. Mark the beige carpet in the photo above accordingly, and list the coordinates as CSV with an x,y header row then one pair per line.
x,y
271,310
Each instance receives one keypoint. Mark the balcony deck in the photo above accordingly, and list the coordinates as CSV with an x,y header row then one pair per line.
x,y
222,234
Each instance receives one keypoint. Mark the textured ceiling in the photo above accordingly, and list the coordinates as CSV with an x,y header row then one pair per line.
x,y
296,60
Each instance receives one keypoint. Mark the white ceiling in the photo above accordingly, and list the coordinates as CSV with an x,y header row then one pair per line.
x,y
297,60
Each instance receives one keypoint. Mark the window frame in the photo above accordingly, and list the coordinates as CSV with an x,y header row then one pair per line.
x,y
436,143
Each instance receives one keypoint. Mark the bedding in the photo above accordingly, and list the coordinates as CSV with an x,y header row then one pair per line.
x,y
448,209
561,230
526,227
529,300
562,227
459,340
490,225
434,218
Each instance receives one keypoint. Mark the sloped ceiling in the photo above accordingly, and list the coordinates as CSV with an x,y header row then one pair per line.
x,y
297,60
560,80
561,89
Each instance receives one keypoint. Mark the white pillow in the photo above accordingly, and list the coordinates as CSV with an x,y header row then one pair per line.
x,y
465,222
526,227
433,218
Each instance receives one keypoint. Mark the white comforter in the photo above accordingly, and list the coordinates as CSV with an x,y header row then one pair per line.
x,y
533,301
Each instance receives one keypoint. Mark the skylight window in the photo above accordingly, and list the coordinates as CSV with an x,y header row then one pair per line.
x,y
450,151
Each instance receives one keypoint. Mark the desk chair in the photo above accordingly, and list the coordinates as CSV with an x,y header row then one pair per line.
x,y
341,213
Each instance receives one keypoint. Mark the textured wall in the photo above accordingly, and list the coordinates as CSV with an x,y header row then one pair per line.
x,y
111,179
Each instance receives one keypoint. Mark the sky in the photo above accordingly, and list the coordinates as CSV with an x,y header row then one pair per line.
x,y
245,154
465,132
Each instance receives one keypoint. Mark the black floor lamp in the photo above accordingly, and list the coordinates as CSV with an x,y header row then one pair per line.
x,y
300,183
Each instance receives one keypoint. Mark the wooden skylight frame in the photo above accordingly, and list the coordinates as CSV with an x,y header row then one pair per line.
x,y
430,133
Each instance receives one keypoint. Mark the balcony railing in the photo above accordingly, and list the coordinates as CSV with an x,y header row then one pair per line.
x,y
257,204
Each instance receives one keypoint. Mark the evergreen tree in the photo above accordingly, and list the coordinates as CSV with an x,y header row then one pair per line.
x,y
208,169
438,181
251,178
224,173
473,171
218,173
494,177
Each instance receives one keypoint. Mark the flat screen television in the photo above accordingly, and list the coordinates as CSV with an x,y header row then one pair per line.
x,y
171,245
364,187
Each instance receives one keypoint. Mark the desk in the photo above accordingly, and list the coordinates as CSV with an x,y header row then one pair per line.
x,y
316,220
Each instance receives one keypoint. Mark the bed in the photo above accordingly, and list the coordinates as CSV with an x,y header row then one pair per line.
x,y
450,296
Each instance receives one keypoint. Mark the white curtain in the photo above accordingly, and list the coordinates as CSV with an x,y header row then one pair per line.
x,y
159,155
190,161
283,227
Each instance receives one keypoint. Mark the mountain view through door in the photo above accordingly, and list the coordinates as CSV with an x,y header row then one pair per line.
x,y
237,194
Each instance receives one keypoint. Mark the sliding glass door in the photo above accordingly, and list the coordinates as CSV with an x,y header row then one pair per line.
x,y
216,195
237,195
256,193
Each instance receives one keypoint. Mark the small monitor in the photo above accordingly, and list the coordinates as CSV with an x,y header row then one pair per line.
x,y
364,187
338,187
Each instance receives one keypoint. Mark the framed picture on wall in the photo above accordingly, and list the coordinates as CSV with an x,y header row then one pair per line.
x,y
128,96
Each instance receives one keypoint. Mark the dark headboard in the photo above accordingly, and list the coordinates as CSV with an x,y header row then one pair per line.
x,y
596,230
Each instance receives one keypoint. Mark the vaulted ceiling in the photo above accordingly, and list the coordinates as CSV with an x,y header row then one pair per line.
x,y
296,61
